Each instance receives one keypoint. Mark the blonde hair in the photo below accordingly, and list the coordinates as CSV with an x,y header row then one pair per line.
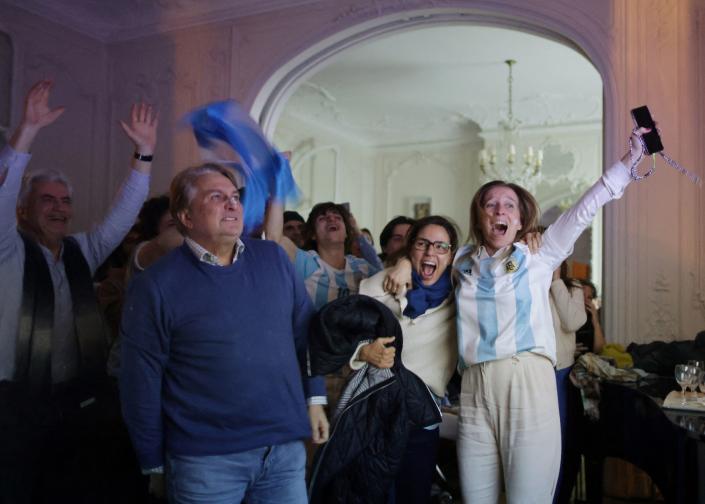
x,y
183,187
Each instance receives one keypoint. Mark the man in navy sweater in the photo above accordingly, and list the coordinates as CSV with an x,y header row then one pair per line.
x,y
214,348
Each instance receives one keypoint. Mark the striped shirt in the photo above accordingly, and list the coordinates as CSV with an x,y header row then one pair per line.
x,y
502,301
325,283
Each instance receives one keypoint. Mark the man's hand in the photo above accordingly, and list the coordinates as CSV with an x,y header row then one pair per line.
x,y
378,354
142,129
37,115
398,277
319,423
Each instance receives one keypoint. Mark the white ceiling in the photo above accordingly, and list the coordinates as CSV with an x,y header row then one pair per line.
x,y
114,20
442,82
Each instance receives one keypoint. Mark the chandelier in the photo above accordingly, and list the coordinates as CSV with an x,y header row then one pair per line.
x,y
501,161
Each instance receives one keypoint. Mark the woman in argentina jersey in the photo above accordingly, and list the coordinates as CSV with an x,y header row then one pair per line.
x,y
509,424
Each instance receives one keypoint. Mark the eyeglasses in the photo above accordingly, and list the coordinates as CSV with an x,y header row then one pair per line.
x,y
440,247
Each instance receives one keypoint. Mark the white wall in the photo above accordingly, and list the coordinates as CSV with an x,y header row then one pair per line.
x,y
383,182
378,182
77,142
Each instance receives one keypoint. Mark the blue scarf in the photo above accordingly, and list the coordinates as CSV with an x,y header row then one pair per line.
x,y
424,297
266,172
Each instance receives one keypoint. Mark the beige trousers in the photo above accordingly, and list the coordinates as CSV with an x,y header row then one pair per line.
x,y
509,429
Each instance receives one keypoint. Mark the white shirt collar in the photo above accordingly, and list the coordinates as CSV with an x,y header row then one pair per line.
x,y
209,258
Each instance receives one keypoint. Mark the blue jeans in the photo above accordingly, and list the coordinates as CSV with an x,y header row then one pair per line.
x,y
268,475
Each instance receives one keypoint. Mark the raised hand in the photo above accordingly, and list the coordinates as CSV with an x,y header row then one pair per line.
x,y
142,129
636,149
37,114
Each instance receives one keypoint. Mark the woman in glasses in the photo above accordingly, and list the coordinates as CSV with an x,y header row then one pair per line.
x,y
426,313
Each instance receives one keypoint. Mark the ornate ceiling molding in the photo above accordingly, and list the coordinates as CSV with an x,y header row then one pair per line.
x,y
130,19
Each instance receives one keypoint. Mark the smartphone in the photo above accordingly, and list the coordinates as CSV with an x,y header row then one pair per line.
x,y
652,140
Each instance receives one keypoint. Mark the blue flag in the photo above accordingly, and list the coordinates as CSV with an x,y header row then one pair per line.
x,y
266,172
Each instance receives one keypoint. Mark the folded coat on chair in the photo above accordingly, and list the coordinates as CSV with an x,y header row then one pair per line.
x,y
361,459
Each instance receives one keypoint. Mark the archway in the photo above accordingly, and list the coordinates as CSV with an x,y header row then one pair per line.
x,y
281,86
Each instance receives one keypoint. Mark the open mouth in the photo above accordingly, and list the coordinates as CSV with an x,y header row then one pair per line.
x,y
500,228
58,218
332,227
427,269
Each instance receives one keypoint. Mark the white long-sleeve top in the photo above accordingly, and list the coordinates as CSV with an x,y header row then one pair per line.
x,y
568,313
502,301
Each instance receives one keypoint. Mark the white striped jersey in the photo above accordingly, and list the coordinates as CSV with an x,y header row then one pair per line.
x,y
325,283
502,301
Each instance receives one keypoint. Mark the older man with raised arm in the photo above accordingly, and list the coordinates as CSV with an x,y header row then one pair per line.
x,y
214,341
53,345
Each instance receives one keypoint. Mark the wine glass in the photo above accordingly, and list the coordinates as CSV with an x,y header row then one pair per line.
x,y
683,376
697,364
701,386
695,374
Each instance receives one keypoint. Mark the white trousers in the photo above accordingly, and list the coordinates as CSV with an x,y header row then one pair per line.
x,y
509,427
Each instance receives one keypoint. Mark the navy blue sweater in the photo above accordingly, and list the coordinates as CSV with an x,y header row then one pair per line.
x,y
212,356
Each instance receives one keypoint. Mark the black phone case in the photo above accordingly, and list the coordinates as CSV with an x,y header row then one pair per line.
x,y
642,118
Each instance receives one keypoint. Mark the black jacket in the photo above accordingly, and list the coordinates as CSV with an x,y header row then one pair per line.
x,y
361,459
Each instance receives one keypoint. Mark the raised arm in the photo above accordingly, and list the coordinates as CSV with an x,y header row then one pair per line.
x,y
274,228
274,220
14,158
142,131
559,238
368,252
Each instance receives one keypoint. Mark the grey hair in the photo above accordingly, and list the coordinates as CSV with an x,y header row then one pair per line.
x,y
38,176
